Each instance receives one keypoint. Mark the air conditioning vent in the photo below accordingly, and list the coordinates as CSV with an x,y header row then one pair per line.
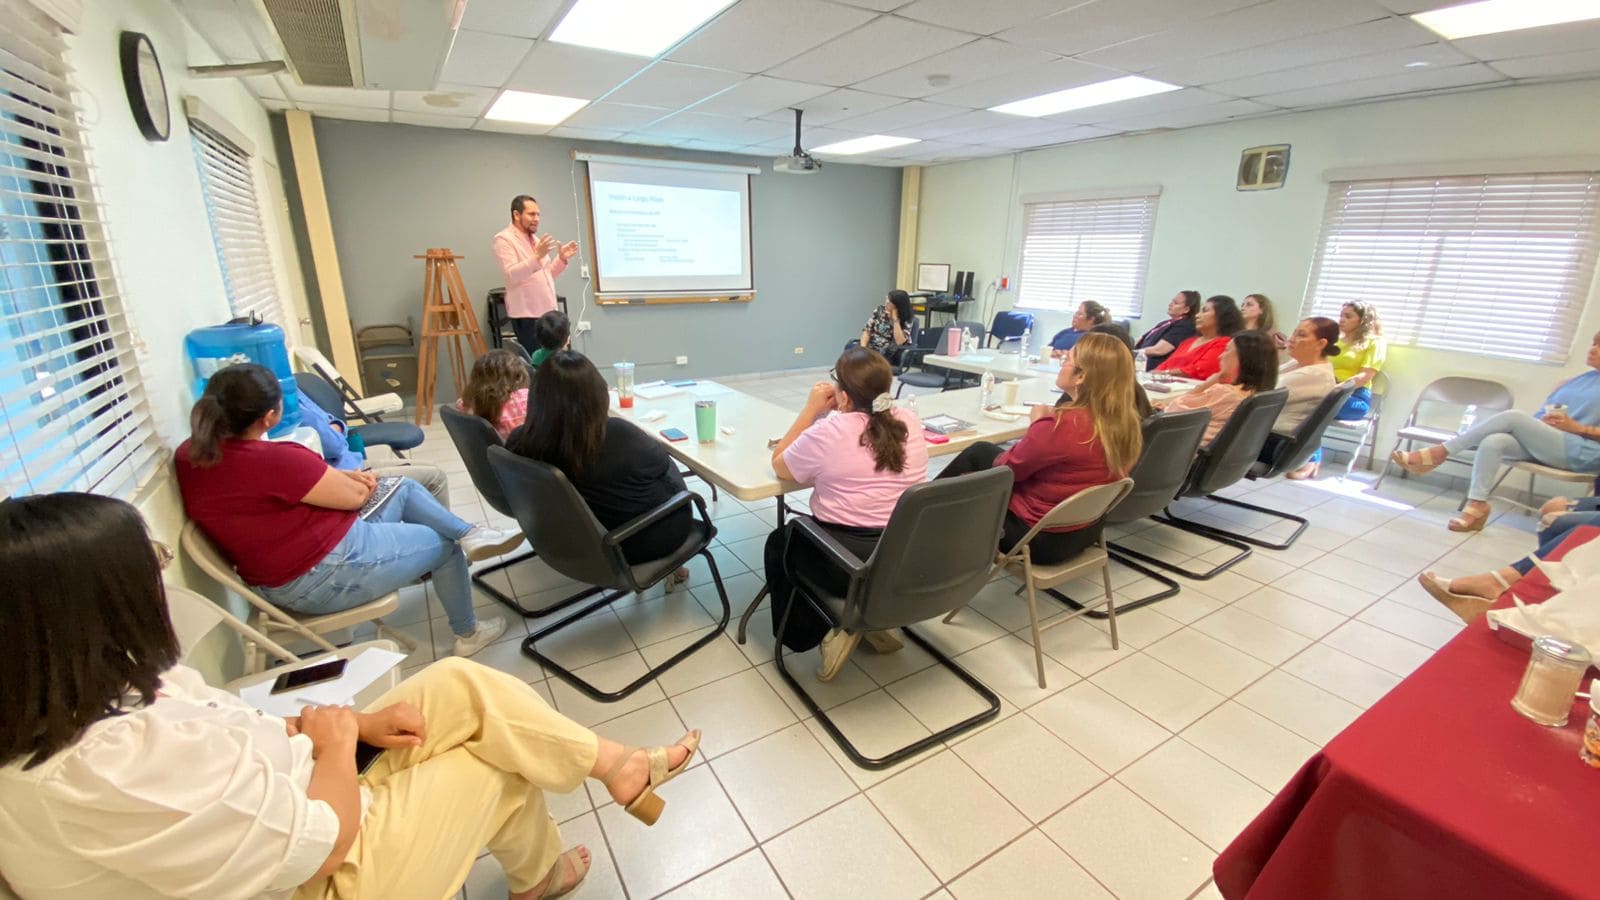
x,y
314,37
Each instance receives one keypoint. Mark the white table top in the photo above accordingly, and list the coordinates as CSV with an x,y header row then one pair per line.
x,y
1005,366
1176,385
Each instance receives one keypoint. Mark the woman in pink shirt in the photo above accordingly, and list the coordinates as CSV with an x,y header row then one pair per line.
x,y
1249,365
859,454
497,391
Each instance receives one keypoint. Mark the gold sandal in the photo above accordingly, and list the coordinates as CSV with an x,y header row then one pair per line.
x,y
648,805
1467,607
1417,462
572,864
1470,520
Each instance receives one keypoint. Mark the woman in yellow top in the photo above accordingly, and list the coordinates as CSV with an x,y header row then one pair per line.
x,y
1362,351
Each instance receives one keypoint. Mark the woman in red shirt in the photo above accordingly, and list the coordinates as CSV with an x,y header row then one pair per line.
x,y
1200,357
289,521
1091,439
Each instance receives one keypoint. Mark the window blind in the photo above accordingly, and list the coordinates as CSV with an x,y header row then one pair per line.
x,y
236,229
1497,265
73,415
1079,250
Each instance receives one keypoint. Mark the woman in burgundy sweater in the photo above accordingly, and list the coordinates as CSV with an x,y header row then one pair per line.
x,y
1092,439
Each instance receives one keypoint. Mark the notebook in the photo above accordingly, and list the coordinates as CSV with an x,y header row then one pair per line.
x,y
946,424
380,495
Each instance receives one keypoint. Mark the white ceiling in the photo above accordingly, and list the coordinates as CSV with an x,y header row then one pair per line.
x,y
929,69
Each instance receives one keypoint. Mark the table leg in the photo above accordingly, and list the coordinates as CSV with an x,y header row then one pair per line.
x,y
744,620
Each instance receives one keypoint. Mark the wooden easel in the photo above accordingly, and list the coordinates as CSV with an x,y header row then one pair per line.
x,y
446,313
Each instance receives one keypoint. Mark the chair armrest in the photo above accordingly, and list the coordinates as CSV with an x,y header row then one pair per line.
x,y
677,501
837,553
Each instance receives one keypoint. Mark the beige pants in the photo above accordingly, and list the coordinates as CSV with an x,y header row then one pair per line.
x,y
493,747
431,477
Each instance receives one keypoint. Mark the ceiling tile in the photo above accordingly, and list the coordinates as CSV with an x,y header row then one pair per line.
x,y
266,87
518,18
759,95
756,35
881,45
485,59
673,85
1419,80
352,113
1199,115
1343,43
433,121
966,64
447,100
615,116
584,134
567,70
721,129
335,96
893,118
1582,62
1406,7
1140,106
1372,65
879,5
1275,20
835,105
1043,79
937,151
811,137
510,127
1050,138
969,127
979,16
1090,26
1534,41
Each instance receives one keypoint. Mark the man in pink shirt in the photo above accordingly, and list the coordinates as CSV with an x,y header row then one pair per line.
x,y
529,272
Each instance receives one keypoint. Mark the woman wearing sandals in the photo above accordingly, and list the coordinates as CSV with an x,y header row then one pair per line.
x,y
1470,595
1566,436
123,775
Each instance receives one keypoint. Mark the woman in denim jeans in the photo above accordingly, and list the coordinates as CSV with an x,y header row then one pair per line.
x,y
289,521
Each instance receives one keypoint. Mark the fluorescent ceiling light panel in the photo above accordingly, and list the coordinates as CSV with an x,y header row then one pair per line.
x,y
1494,16
533,109
637,27
1097,94
864,145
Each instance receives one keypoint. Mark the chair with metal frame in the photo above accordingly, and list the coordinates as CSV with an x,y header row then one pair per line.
x,y
1171,441
1286,453
921,569
1536,470
928,341
1008,325
397,436
1458,391
1235,449
272,620
1081,510
567,536
355,406
473,436
1361,431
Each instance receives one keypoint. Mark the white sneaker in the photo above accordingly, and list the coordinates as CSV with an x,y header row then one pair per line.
x,y
483,542
487,632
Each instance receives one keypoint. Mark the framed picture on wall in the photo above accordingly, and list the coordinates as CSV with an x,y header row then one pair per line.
x,y
1263,168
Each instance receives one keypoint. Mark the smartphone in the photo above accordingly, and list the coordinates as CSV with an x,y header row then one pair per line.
x,y
687,382
674,434
934,437
366,755
310,675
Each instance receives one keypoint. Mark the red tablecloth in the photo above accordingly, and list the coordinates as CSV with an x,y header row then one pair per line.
x,y
1439,790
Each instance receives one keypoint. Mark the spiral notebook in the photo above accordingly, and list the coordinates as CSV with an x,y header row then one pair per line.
x,y
380,495
947,424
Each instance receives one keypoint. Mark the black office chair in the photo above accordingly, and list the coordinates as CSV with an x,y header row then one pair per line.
x,y
921,569
1171,441
929,340
398,436
1009,325
1219,464
473,436
1282,454
568,537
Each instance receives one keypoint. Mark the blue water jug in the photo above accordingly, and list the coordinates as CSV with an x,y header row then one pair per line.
x,y
219,346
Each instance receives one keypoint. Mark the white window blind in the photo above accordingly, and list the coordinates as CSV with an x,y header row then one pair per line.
x,y
1497,265
1077,250
242,251
73,415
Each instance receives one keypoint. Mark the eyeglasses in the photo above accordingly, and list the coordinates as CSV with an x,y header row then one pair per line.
x,y
164,554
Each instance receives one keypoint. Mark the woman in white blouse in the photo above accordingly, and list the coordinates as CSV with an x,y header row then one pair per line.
x,y
1309,377
123,775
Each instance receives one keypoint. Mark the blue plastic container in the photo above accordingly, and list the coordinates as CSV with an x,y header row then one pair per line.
x,y
220,346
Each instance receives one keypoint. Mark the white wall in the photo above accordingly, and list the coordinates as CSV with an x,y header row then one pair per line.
x,y
1214,239
164,260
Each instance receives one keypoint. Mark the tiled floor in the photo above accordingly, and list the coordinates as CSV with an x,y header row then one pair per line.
x,y
1124,778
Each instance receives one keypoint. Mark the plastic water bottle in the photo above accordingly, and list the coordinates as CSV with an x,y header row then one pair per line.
x,y
987,391
1468,417
1141,361
1027,341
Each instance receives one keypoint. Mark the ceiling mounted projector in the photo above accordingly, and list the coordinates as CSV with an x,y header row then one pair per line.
x,y
799,162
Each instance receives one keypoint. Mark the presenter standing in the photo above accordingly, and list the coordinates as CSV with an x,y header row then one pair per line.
x,y
530,272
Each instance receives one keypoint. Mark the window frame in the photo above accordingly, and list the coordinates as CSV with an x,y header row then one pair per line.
x,y
1129,303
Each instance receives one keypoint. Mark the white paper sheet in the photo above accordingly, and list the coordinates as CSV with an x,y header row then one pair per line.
x,y
655,390
366,667
706,390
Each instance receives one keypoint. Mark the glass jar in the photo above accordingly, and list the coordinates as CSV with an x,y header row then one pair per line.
x,y
1589,751
1555,670
624,372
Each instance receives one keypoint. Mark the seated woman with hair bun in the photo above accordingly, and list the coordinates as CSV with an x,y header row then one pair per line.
x,y
859,452
1089,315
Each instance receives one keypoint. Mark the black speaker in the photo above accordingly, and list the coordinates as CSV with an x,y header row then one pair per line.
x,y
966,286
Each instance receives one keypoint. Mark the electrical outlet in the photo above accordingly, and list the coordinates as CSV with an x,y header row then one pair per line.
x,y
682,360
584,325
799,351
583,272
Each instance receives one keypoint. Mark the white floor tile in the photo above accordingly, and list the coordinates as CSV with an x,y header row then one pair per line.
x,y
610,675
1110,733
1082,647
1210,800
699,829
847,853
1339,673
1381,648
1251,744
748,877
1129,847
716,660
1008,667
733,712
1324,591
1286,610
1169,697
1208,661
1029,766
935,696
1304,709
782,780
1031,866
949,816
1396,618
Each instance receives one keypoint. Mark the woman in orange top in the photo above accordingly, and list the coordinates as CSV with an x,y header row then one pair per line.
x,y
1200,357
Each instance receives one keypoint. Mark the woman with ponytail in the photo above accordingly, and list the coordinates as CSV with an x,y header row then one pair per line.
x,y
289,521
859,453
1091,437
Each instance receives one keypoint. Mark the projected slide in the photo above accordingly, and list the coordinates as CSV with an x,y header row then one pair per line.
x,y
646,230
668,228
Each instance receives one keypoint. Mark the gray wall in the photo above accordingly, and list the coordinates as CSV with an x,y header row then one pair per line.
x,y
824,244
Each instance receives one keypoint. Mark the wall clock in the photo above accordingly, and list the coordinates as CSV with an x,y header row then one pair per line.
x,y
147,89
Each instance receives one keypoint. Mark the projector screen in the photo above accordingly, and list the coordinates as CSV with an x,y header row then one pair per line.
x,y
665,228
